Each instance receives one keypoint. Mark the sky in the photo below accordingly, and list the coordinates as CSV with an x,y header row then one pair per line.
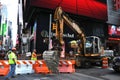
x,y
12,9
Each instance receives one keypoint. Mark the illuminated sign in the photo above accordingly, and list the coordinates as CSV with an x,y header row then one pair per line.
x,y
118,39
114,30
116,4
113,8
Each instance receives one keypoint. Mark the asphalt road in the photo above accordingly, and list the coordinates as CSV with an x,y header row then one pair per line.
x,y
74,76
80,74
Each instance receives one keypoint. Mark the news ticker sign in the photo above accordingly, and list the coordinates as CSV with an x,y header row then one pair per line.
x,y
113,12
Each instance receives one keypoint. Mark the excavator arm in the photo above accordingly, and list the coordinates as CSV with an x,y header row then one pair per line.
x,y
60,18
52,56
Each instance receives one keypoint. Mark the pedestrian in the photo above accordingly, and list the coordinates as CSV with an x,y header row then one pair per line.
x,y
34,55
12,58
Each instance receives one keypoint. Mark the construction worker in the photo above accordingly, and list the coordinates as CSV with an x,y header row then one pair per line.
x,y
6,56
34,55
12,62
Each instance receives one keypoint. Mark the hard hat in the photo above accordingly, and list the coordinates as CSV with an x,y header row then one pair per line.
x,y
73,42
14,49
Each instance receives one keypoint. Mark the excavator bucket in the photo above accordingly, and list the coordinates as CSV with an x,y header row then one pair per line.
x,y
52,60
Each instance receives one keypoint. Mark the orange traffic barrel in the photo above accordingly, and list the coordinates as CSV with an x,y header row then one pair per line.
x,y
104,62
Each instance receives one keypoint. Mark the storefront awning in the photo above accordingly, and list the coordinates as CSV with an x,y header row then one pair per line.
x,y
89,8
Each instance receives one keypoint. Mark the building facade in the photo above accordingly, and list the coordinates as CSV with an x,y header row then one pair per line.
x,y
93,19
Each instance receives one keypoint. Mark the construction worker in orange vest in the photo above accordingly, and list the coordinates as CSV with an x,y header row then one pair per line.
x,y
34,55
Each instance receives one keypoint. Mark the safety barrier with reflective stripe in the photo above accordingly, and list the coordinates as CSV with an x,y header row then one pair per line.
x,y
39,66
66,66
4,67
24,67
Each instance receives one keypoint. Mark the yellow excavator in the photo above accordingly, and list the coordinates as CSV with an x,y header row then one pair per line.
x,y
89,49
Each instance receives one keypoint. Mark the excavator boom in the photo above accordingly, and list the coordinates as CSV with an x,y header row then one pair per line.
x,y
60,18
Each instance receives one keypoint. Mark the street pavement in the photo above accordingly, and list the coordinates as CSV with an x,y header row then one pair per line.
x,y
73,76
80,74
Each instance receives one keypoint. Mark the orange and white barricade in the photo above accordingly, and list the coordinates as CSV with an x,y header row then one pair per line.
x,y
41,67
104,62
66,66
24,67
4,67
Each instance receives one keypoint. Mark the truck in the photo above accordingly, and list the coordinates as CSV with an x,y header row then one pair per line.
x,y
89,49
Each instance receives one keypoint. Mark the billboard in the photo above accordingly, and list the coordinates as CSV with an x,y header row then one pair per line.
x,y
113,12
114,31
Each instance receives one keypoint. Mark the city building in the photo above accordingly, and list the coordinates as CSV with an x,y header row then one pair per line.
x,y
94,16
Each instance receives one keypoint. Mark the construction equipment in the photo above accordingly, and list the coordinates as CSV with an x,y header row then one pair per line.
x,y
92,53
89,48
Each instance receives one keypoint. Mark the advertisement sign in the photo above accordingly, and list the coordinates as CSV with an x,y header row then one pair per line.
x,y
113,7
114,31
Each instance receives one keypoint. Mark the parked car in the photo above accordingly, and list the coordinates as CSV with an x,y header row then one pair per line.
x,y
116,64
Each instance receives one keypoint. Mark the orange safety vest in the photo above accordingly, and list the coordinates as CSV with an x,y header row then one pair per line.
x,y
34,56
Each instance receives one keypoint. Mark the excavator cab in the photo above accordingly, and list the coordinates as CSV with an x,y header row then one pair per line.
x,y
93,46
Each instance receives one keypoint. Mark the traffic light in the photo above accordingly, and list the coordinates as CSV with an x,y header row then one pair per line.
x,y
54,26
